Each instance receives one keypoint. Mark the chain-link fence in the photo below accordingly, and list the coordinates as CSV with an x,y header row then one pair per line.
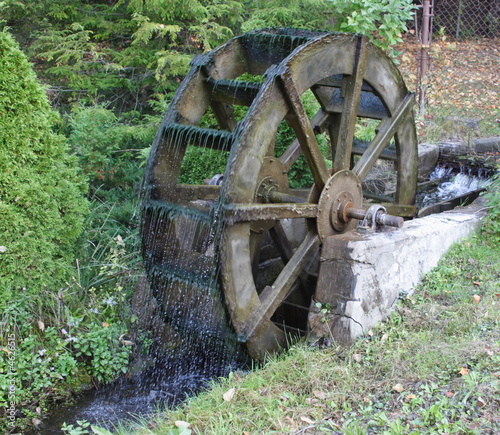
x,y
467,18
455,67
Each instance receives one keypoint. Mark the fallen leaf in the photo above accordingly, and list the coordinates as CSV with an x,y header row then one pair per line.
x,y
464,371
228,395
476,298
410,396
7,351
38,410
410,299
246,433
35,421
319,395
384,337
180,423
105,324
3,249
307,420
480,402
399,388
370,332
41,326
336,426
357,357
264,392
449,394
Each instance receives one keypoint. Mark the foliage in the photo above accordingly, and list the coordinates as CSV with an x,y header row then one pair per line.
x,y
310,14
127,53
82,427
493,202
66,340
42,205
384,21
105,145
111,152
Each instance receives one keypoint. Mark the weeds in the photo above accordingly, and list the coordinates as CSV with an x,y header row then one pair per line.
x,y
71,338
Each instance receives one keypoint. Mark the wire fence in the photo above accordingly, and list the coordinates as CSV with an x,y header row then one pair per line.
x,y
457,62
467,18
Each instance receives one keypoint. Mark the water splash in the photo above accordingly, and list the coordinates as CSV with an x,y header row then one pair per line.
x,y
451,185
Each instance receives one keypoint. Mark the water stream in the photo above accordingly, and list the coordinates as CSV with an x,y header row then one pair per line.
x,y
449,184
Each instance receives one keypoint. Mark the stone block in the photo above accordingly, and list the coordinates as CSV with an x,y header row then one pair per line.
x,y
362,274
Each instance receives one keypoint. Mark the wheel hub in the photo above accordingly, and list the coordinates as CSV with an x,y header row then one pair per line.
x,y
273,178
342,192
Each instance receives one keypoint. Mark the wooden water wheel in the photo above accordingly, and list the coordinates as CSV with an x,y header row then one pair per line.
x,y
252,228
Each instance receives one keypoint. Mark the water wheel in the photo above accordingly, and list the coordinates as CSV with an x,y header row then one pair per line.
x,y
252,232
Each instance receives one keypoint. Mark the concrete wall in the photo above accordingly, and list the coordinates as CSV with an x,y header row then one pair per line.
x,y
362,275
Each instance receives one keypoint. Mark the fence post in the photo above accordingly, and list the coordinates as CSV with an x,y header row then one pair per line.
x,y
424,47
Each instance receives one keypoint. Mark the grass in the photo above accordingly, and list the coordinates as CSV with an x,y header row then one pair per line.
x,y
432,368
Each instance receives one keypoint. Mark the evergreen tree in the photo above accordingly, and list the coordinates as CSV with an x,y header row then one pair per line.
x,y
42,203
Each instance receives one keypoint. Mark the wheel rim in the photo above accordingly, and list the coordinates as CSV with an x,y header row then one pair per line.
x,y
254,199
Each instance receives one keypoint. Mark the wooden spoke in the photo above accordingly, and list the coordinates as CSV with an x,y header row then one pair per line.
x,y
272,296
264,212
304,131
352,93
285,250
281,241
386,132
293,152
255,245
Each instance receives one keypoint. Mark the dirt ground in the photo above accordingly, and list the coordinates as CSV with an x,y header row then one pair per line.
x,y
462,87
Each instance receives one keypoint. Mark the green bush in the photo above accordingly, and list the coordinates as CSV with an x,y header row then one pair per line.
x,y
493,202
382,20
42,204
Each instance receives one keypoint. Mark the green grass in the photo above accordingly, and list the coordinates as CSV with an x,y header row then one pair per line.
x,y
432,368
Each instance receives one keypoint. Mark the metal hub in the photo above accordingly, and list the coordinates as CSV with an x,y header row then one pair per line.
x,y
342,191
273,178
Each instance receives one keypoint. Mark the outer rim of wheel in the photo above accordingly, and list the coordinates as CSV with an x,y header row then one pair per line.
x,y
242,177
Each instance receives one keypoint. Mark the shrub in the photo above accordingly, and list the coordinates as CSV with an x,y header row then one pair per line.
x,y
383,21
42,204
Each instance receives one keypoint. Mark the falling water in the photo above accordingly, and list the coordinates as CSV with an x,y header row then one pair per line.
x,y
451,185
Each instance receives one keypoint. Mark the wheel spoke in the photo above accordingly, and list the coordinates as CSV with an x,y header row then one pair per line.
x,y
263,212
281,241
272,296
285,250
386,131
293,152
352,93
304,131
